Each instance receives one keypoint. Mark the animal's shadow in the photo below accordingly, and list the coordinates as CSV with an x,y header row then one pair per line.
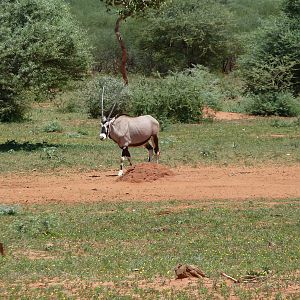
x,y
24,146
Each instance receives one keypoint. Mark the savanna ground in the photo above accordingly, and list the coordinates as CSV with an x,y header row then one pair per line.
x,y
72,230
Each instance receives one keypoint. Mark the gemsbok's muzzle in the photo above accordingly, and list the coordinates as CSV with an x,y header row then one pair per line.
x,y
102,136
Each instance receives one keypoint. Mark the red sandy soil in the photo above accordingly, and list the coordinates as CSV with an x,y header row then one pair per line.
x,y
160,284
222,115
183,183
146,173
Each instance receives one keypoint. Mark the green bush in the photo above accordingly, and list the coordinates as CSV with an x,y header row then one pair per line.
x,y
272,62
53,126
292,8
271,66
12,106
114,92
179,97
41,49
6,210
186,33
280,104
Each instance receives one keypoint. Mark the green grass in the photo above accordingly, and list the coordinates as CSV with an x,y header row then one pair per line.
x,y
65,252
70,250
51,140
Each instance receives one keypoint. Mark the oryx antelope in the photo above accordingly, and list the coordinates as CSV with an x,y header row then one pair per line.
x,y
129,131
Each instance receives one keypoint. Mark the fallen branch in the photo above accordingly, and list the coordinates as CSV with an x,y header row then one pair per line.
x,y
229,277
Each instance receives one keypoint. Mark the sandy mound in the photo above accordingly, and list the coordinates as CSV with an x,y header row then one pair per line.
x,y
146,172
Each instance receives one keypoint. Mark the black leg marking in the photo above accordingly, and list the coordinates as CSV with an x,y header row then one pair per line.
x,y
149,147
125,152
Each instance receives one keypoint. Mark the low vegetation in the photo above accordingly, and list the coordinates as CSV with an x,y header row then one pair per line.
x,y
45,143
86,251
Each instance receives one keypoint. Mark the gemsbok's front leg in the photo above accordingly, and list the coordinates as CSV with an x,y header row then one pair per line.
x,y
125,153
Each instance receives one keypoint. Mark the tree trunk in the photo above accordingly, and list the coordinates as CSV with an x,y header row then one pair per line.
x,y
229,64
124,52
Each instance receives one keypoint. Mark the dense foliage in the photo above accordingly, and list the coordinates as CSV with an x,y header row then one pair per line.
x,y
239,18
186,33
271,65
42,48
178,97
132,7
115,96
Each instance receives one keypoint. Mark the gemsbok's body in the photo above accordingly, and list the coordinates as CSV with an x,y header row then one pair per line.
x,y
129,131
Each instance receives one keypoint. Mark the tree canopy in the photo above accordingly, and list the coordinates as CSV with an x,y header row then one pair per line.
x,y
128,8
42,48
186,33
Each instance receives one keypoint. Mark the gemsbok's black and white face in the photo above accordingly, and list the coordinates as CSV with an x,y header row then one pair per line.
x,y
104,127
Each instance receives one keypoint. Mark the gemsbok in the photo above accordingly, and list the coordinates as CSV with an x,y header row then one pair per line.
x,y
128,132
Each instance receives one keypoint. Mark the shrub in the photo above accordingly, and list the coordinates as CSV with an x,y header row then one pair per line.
x,y
41,49
53,126
114,92
178,97
281,104
8,210
292,8
271,63
12,106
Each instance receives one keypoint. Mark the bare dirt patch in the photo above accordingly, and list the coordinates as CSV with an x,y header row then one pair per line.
x,y
169,287
222,115
204,183
146,173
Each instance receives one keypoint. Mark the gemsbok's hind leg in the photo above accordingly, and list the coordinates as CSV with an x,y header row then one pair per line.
x,y
154,140
150,151
125,154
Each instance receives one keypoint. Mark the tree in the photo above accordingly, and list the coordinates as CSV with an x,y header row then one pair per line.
x,y
42,48
272,61
129,8
271,66
187,33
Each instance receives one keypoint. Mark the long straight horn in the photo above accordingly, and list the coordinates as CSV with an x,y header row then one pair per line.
x,y
102,100
112,110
